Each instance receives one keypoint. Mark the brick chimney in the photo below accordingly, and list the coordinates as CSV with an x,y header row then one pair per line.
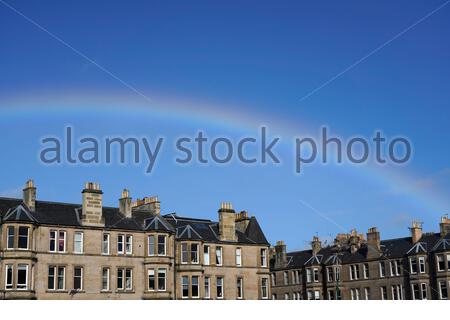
x,y
444,226
29,195
316,245
92,206
227,226
125,204
416,231
150,204
242,221
280,254
373,243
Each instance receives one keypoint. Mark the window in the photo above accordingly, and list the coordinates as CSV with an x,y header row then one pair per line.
x,y
184,252
423,289
57,241
263,257
194,253
62,241
120,241
78,278
274,296
308,275
415,291
206,255
330,275
128,279
56,278
78,242
105,279
366,270
397,292
219,256
207,288
10,241
9,276
337,271
448,262
195,291
286,277
317,295
185,286
286,296
105,244
162,279
413,265
384,295
422,264
310,295
316,274
273,277
151,245
161,245
219,287
264,288
367,293
128,244
354,272
331,295
240,288
23,238
395,267
238,257
354,293
382,270
151,279
124,279
443,290
440,262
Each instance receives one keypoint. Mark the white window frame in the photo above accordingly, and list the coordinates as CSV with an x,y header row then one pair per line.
x,y
151,272
309,276
238,257
9,285
316,274
197,285
440,290
184,253
128,244
130,287
366,270
422,264
108,286
8,236
107,241
367,293
56,277
383,290
151,245
286,278
195,259
264,288
207,287
330,275
121,242
58,240
161,236
411,260
418,291
424,288
382,269
219,256
80,241
28,238
206,256
81,278
240,288
437,262
183,286
219,286
160,272
263,253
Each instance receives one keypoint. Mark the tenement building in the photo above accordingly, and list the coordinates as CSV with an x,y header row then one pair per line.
x,y
51,250
357,267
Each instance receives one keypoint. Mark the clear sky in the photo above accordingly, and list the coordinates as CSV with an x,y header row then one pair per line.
x,y
226,69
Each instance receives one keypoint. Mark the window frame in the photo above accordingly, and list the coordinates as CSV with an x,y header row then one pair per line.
x,y
263,254
207,287
151,276
195,285
81,241
221,296
413,261
184,253
264,288
441,296
10,237
120,243
195,254
185,287
107,242
9,284
161,236
80,278
238,253
151,245
206,255
19,236
438,262
128,244
219,257
162,271
366,272
108,281
422,264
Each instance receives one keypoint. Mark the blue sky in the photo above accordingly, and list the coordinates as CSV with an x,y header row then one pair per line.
x,y
226,69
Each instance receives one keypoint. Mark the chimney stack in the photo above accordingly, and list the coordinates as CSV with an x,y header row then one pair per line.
x,y
316,245
227,225
125,204
280,255
92,207
150,204
416,231
444,226
373,243
242,221
29,195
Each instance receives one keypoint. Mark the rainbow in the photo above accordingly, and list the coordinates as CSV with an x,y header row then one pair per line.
x,y
236,118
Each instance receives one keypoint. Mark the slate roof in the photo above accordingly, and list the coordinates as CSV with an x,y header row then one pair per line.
x,y
66,214
391,249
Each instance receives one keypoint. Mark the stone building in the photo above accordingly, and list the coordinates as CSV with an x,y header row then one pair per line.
x,y
357,267
51,250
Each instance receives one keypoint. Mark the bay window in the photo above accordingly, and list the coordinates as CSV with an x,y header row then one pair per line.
x,y
11,236
194,253
9,283
23,238
151,279
162,245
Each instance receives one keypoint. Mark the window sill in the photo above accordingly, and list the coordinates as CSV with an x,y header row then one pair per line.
x,y
56,291
105,291
125,291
